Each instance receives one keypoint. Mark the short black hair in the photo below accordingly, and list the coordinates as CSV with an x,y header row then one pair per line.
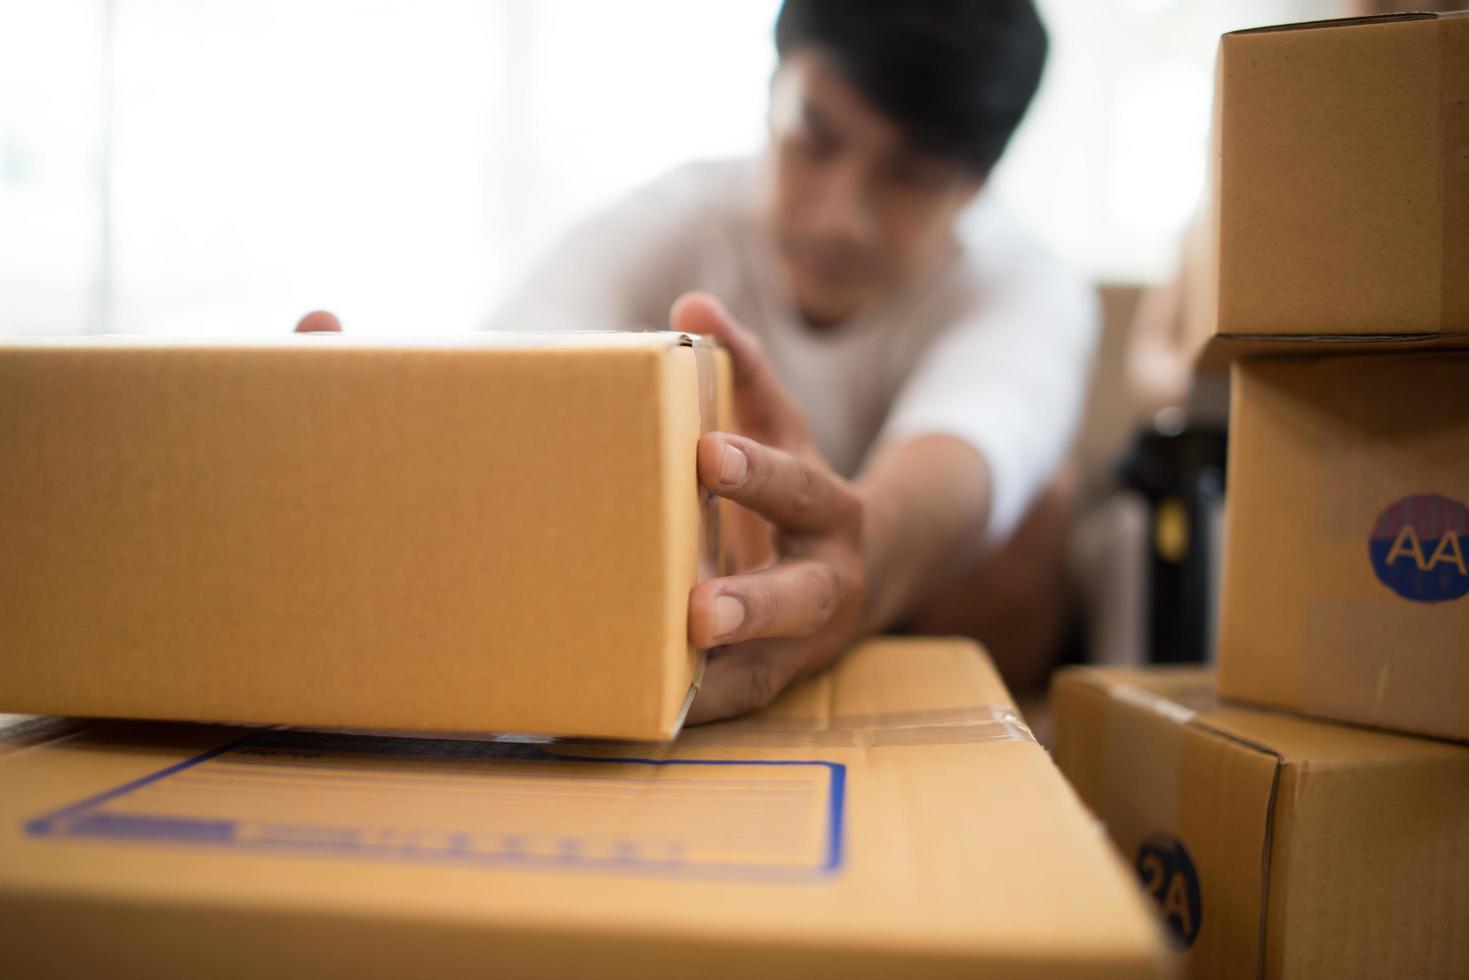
x,y
956,75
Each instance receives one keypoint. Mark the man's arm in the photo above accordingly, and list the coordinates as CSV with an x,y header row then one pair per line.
x,y
925,506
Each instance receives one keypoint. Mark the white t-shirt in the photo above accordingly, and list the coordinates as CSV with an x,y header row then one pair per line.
x,y
993,347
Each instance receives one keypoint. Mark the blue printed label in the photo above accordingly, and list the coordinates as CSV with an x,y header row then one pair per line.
x,y
1418,548
481,805
1168,875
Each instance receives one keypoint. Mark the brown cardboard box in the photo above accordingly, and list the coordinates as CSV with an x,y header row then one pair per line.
x,y
1346,561
1340,185
489,533
888,818
1275,846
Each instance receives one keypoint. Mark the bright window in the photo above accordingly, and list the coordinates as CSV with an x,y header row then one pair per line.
x,y
204,166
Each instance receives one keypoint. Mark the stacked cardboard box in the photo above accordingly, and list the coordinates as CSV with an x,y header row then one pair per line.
x,y
1315,842
1274,845
1347,536
1341,203
891,817
485,533
1338,214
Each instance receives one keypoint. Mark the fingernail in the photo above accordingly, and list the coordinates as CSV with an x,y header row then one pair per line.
x,y
729,613
733,465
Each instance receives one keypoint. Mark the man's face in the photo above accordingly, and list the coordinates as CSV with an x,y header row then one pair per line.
x,y
856,211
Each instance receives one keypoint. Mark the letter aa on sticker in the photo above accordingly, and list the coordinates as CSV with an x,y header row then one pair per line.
x,y
1417,548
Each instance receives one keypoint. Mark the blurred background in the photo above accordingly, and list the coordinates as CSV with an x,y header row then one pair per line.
x,y
215,166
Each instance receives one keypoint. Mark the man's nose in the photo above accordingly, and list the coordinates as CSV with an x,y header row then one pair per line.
x,y
843,207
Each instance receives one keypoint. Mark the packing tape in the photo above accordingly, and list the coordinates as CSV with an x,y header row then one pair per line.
x,y
21,732
706,371
1138,770
946,726
1359,666
708,380
1156,703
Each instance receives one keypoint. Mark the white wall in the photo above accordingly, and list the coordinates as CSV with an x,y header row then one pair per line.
x,y
402,162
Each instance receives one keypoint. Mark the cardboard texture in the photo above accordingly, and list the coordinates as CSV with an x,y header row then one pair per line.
x,y
1346,563
891,817
489,533
1339,203
1274,846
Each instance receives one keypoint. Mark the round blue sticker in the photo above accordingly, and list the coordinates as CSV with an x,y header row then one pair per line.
x,y
1168,875
1418,548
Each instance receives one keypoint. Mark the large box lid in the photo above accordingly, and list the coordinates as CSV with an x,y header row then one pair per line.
x,y
889,817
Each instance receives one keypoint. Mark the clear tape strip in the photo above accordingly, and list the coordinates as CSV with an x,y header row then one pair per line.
x,y
1157,704
707,378
949,726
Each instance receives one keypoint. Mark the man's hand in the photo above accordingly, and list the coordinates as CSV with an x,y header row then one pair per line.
x,y
768,625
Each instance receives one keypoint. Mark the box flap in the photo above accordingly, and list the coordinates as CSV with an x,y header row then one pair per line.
x,y
1191,806
1369,880
1312,25
1367,839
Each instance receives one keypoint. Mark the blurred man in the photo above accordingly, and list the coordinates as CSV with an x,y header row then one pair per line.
x,y
909,364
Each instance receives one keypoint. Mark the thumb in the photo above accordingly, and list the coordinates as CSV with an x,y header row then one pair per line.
x,y
319,322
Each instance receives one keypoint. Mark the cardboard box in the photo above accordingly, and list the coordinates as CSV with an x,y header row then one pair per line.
x,y
486,533
891,817
1274,846
1346,561
1340,185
